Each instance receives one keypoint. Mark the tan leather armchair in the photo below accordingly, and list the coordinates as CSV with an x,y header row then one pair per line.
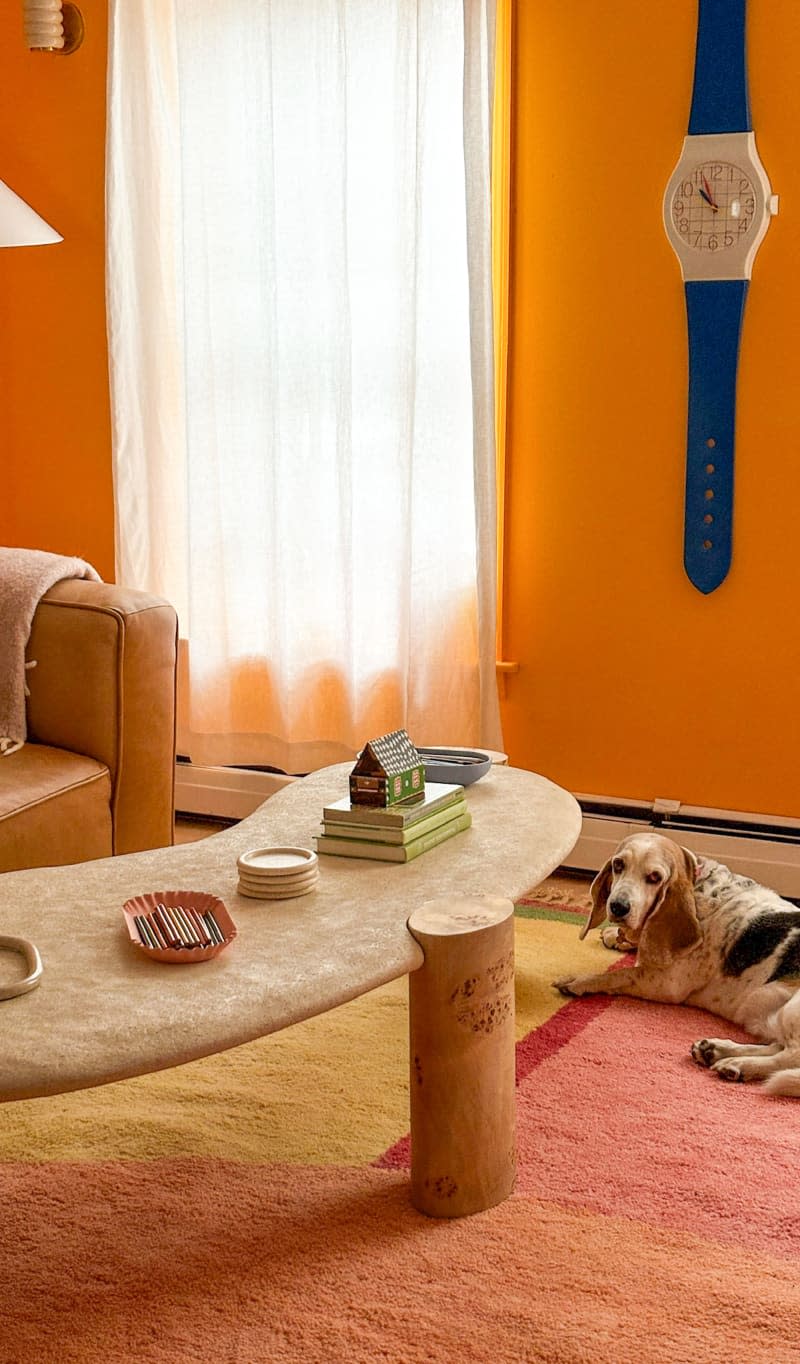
x,y
97,773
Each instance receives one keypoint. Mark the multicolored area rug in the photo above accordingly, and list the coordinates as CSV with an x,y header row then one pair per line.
x,y
254,1206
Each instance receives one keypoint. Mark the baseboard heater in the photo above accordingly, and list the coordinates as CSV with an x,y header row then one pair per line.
x,y
766,847
223,792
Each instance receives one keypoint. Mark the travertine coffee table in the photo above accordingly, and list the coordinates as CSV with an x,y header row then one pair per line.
x,y
104,1012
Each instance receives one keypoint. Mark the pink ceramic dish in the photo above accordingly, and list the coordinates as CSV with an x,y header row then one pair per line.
x,y
192,903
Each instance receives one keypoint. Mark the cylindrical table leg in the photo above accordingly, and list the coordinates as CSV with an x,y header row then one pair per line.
x,y
463,1102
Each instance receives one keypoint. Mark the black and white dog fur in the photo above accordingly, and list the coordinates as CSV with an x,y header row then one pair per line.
x,y
709,938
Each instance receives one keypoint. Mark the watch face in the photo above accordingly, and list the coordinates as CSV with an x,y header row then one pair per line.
x,y
714,206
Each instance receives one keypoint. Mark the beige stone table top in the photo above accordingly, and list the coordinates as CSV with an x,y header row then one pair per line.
x,y
104,1012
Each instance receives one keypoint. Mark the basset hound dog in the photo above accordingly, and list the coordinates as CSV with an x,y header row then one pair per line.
x,y
707,937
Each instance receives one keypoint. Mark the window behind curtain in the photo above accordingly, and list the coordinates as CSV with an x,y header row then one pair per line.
x,y
299,361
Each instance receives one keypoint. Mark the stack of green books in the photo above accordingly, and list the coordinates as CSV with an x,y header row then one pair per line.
x,y
399,833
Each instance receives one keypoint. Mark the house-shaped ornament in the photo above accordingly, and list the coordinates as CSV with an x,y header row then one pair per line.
x,y
388,770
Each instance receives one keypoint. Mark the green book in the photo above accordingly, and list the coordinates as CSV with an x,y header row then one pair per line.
x,y
393,852
437,796
420,827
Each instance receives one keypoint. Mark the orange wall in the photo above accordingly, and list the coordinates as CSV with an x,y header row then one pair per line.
x,y
55,449
631,682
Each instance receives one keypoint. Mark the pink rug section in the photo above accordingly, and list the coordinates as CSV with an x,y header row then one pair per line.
x,y
530,1052
615,1117
622,1121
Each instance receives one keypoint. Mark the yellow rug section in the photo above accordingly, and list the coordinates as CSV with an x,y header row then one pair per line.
x,y
331,1090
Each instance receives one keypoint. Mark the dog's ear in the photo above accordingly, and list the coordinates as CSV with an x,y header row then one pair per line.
x,y
599,890
672,927
691,861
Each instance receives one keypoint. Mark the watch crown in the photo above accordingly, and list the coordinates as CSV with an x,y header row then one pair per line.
x,y
773,204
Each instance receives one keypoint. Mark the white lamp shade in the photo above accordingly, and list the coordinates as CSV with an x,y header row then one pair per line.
x,y
19,225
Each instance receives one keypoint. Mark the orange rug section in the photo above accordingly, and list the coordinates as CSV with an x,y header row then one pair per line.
x,y
255,1207
208,1260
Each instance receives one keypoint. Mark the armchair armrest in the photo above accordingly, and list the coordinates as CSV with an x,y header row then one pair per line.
x,y
104,686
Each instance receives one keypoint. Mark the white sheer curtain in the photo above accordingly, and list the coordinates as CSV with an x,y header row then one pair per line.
x,y
299,302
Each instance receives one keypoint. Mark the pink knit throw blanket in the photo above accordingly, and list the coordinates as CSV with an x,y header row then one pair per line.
x,y
25,575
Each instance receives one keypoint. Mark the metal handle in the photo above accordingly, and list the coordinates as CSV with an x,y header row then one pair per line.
x,y
33,962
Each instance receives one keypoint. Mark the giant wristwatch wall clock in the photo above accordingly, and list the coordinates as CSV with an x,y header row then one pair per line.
x,y
717,208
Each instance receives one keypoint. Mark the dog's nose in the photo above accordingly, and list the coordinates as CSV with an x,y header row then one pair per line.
x,y
618,908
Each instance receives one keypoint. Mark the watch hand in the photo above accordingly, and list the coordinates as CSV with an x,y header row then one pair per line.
x,y
707,195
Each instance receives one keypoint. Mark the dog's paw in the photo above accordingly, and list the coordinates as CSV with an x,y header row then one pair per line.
x,y
729,1070
613,937
704,1052
568,985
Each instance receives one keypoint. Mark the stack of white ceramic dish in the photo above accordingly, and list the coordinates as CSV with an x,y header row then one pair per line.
x,y
277,873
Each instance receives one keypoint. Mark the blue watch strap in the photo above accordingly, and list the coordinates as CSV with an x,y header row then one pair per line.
x,y
720,100
714,311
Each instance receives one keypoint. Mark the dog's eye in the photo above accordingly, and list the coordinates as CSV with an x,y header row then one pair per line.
x,y
617,864
654,877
